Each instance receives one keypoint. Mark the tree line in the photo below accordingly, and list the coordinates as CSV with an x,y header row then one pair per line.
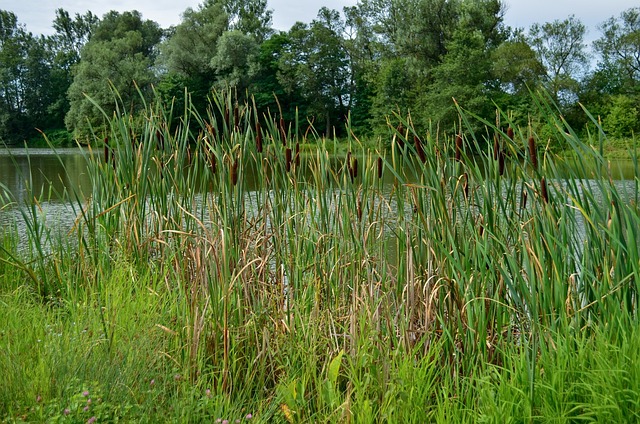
x,y
377,58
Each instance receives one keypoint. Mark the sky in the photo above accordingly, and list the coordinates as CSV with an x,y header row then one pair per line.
x,y
38,15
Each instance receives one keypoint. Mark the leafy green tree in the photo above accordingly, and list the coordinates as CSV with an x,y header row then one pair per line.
x,y
623,117
619,47
13,56
561,49
236,60
315,65
117,60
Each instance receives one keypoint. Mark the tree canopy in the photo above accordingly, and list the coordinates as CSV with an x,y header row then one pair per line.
x,y
377,58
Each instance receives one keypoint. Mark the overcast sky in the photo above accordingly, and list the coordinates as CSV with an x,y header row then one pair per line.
x,y
38,14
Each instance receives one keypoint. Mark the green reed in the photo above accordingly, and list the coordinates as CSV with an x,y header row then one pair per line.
x,y
324,282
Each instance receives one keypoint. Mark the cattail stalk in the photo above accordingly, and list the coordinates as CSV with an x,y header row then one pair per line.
x,y
543,190
419,149
234,172
533,153
283,132
258,138
287,159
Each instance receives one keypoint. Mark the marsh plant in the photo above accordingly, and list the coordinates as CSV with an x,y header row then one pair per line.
x,y
219,270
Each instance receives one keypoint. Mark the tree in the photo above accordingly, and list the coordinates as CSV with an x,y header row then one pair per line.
x,y
620,48
236,60
116,61
561,49
315,65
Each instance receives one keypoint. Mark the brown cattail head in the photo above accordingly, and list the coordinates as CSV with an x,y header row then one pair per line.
x,y
354,168
496,147
380,168
543,190
287,159
419,149
458,147
510,133
258,138
236,117
283,132
234,172
296,158
533,153
501,163
523,200
212,161
400,136
359,209
106,150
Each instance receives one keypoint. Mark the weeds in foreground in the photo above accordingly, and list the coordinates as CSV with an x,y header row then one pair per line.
x,y
215,272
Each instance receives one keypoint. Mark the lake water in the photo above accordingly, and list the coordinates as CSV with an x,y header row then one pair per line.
x,y
49,177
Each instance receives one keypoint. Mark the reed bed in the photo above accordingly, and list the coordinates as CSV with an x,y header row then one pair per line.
x,y
433,278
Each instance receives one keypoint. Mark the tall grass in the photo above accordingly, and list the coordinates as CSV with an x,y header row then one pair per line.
x,y
442,278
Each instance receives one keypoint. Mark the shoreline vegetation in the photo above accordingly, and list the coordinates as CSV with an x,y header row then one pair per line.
x,y
486,285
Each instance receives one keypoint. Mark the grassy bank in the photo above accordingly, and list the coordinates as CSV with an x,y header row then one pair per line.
x,y
482,284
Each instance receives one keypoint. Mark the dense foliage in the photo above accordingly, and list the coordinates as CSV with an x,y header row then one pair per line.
x,y
376,58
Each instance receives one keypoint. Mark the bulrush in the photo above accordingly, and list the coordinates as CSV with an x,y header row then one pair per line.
x,y
523,200
212,161
543,190
226,118
258,138
501,163
533,153
458,147
510,133
296,159
380,167
287,159
234,172
419,148
496,147
400,130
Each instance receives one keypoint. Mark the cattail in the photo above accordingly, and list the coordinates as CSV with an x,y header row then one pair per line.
x,y
106,150
458,147
236,117
234,172
400,136
354,167
380,168
501,163
419,149
287,159
533,154
543,190
523,200
496,147
258,138
296,159
510,133
226,117
347,164
212,160
283,132
359,209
